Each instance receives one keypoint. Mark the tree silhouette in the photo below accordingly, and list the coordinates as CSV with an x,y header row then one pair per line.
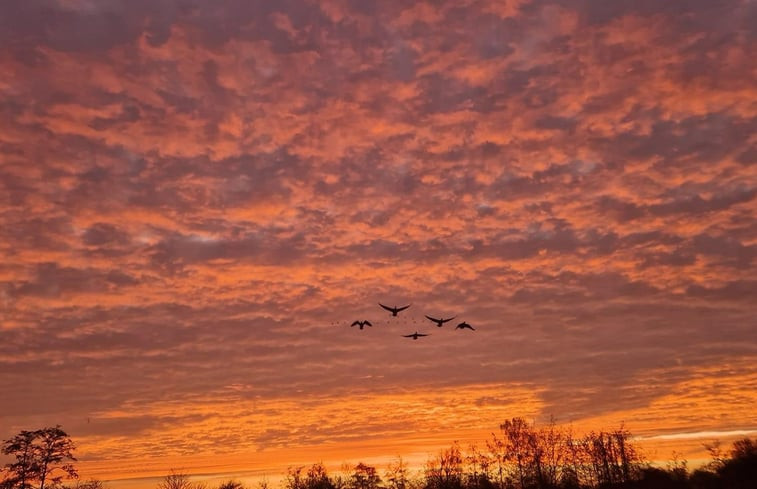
x,y
21,472
446,470
396,475
176,480
38,455
518,444
548,447
317,477
613,457
740,471
479,464
364,477
231,484
55,448
524,457
499,457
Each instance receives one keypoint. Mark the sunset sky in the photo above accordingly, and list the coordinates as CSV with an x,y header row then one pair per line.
x,y
198,197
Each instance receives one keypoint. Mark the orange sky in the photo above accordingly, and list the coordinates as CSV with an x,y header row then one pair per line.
x,y
198,198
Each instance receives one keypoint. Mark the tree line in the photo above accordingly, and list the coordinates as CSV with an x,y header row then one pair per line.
x,y
520,456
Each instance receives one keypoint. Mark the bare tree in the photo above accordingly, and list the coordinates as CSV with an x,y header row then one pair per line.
x,y
499,456
613,457
574,465
397,474
519,446
478,468
180,480
552,440
294,478
446,470
717,456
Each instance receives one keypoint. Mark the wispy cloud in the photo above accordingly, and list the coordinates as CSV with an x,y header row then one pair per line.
x,y
702,434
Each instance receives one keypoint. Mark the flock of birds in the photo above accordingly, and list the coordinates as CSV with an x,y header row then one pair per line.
x,y
396,310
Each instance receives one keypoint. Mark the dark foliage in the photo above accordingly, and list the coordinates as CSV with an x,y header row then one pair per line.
x,y
42,459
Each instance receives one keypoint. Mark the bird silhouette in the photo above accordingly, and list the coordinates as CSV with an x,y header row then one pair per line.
x,y
361,324
465,325
394,310
415,335
439,322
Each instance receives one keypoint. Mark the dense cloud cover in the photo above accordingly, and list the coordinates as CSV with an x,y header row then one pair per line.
x,y
198,197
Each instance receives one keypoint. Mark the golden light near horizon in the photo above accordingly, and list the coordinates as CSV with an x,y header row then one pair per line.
x,y
197,199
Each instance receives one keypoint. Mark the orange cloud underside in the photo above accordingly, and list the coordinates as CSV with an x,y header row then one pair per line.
x,y
414,425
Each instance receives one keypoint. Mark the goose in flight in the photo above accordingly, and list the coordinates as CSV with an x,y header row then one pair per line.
x,y
361,324
465,325
394,310
439,322
414,336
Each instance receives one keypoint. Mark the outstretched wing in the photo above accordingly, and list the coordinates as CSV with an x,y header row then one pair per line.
x,y
448,319
408,335
403,308
421,334
356,323
386,307
435,320
367,323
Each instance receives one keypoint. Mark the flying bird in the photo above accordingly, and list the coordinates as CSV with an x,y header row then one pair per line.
x,y
415,335
439,322
465,325
394,310
361,324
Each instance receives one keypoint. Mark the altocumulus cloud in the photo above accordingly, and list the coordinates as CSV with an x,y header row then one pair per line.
x,y
198,195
